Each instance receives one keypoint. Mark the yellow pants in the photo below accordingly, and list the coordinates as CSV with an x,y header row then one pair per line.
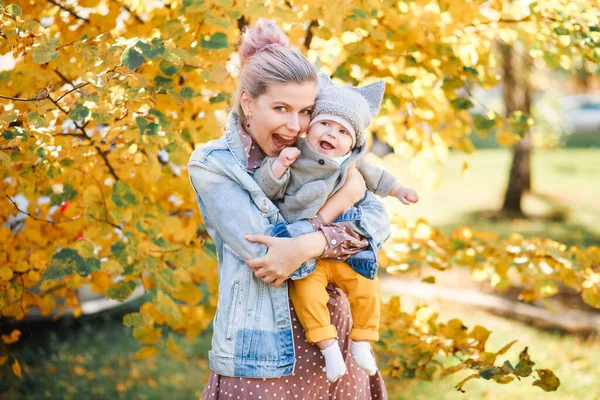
x,y
310,298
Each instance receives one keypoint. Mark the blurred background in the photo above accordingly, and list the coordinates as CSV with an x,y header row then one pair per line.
x,y
541,179
83,358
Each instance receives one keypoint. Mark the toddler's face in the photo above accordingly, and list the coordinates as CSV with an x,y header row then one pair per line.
x,y
330,138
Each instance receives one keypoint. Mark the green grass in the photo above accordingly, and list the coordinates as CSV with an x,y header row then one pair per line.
x,y
93,358
563,204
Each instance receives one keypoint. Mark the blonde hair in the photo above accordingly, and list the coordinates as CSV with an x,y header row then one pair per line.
x,y
268,59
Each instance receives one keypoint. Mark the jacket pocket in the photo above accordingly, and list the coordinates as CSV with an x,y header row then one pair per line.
x,y
231,312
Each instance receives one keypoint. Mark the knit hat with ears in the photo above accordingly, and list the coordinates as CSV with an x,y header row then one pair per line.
x,y
352,107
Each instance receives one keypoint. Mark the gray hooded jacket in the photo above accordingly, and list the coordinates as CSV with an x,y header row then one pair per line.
x,y
313,178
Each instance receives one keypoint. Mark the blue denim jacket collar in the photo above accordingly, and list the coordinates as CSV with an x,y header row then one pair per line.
x,y
234,143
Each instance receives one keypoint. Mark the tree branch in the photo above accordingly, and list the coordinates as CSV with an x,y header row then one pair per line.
x,y
82,130
19,98
73,13
309,33
72,90
41,219
137,17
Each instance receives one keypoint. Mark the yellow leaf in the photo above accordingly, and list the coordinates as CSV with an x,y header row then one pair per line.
x,y
147,334
146,352
507,139
3,360
12,338
174,348
6,273
16,368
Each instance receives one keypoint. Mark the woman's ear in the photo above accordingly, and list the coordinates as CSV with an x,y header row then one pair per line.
x,y
246,102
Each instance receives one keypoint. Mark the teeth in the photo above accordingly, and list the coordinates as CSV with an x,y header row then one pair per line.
x,y
286,139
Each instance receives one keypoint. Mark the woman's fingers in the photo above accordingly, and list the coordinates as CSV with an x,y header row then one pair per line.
x,y
258,238
278,282
255,263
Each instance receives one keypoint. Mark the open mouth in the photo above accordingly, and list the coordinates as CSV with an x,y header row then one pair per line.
x,y
283,141
326,145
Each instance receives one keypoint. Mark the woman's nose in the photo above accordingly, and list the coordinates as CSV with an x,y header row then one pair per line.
x,y
293,123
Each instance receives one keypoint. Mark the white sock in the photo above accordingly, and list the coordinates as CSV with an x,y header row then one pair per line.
x,y
335,367
361,352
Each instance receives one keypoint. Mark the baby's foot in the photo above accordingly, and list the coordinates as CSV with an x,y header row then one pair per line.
x,y
335,367
363,356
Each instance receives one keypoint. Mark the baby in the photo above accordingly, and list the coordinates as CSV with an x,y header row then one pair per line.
x,y
299,181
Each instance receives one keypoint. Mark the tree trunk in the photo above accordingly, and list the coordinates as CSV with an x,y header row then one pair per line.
x,y
517,97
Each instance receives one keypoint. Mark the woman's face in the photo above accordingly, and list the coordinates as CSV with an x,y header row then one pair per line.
x,y
279,115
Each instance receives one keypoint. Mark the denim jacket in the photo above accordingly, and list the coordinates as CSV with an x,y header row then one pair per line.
x,y
252,330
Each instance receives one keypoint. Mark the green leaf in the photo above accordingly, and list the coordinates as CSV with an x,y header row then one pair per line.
x,y
360,13
122,195
68,193
187,92
44,53
120,291
119,250
214,19
216,41
160,242
429,279
14,10
166,306
461,103
561,31
14,132
451,82
132,59
91,264
470,70
149,264
233,14
165,278
152,51
79,112
483,123
147,128
168,68
137,320
62,263
220,97
36,119
402,78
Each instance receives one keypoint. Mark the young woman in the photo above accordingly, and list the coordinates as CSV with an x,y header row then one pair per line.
x,y
258,347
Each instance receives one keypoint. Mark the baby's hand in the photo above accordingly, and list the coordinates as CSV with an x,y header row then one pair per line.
x,y
288,156
407,196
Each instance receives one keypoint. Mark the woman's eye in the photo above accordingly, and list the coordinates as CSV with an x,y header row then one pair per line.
x,y
280,108
305,111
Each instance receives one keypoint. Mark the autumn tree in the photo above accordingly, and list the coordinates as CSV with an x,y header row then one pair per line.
x,y
107,99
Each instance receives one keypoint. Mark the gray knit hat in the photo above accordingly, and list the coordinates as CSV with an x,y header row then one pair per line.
x,y
357,106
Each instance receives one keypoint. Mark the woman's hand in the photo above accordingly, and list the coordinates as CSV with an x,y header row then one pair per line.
x,y
351,192
284,255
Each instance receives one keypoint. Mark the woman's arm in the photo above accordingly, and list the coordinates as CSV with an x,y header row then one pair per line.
x,y
279,262
351,192
233,214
